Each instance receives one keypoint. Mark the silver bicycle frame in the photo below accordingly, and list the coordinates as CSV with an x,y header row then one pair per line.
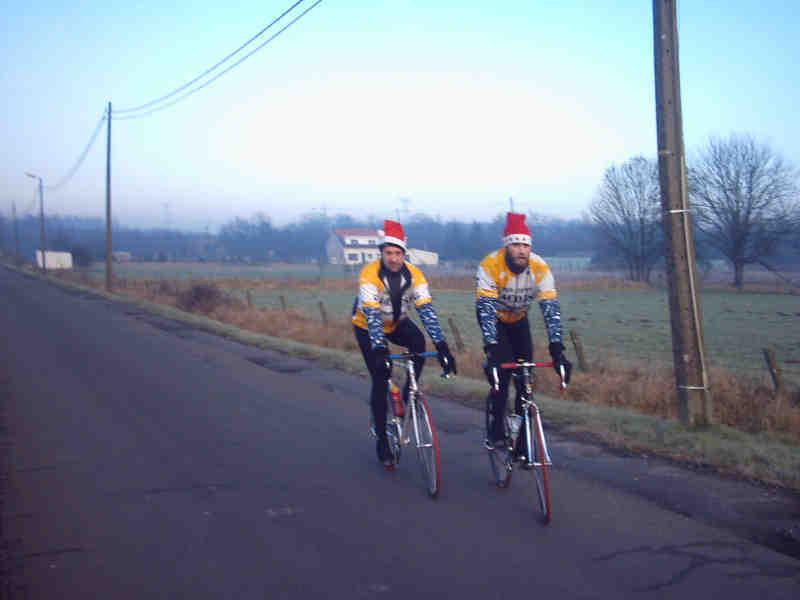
x,y
530,405
411,415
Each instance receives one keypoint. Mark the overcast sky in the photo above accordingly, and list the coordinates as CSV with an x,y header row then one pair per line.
x,y
454,106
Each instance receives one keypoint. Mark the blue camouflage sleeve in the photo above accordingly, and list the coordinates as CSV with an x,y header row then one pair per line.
x,y
377,338
430,321
486,312
551,310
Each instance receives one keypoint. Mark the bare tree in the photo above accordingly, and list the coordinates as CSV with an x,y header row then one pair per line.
x,y
626,209
745,200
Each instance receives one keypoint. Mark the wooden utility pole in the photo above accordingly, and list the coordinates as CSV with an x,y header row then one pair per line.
x,y
109,278
691,377
41,227
42,239
16,232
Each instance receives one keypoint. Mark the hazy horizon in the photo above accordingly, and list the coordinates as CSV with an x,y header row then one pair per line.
x,y
452,106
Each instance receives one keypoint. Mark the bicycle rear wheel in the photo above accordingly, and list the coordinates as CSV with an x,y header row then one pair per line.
x,y
539,463
427,446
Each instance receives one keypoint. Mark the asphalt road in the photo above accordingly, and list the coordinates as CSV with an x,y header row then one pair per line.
x,y
145,459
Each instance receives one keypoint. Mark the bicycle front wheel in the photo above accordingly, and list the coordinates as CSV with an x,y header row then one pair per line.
x,y
500,459
539,465
427,446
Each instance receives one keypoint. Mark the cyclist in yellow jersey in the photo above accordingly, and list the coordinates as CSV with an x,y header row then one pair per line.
x,y
507,282
386,287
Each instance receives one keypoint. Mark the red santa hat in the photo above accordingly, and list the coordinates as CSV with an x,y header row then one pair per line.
x,y
516,232
392,233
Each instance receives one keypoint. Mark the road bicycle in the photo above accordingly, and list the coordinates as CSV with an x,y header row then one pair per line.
x,y
524,439
415,421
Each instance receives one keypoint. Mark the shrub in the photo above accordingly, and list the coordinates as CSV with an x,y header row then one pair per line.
x,y
202,298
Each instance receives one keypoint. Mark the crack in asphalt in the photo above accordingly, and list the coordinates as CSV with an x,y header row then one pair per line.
x,y
56,552
275,365
698,560
156,491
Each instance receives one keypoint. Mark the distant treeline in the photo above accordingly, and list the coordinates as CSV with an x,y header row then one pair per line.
x,y
257,240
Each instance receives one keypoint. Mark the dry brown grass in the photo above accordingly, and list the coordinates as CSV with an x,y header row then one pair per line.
x,y
746,405
461,283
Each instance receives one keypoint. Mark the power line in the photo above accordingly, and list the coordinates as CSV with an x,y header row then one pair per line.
x,y
221,73
63,181
126,112
207,71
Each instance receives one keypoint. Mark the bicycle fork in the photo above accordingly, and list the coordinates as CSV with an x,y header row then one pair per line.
x,y
544,455
411,409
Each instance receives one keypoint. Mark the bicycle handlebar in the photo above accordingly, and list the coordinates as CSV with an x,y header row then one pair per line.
x,y
514,365
407,355
412,355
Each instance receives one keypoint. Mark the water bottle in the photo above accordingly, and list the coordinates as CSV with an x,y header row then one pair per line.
x,y
397,400
514,424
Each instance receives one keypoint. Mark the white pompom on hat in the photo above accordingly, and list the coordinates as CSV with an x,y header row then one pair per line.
x,y
516,231
392,233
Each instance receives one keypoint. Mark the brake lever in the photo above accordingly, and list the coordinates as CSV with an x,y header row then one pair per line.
x,y
445,374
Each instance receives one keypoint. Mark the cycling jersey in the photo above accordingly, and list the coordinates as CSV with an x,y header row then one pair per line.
x,y
374,310
506,296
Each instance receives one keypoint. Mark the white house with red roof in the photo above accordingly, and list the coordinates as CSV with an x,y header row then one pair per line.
x,y
354,246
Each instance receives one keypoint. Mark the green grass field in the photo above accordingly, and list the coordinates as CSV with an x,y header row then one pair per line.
x,y
628,324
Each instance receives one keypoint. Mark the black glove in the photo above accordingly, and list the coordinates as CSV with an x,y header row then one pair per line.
x,y
492,362
447,360
559,360
381,363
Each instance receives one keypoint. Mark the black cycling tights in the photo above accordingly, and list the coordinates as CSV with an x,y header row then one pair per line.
x,y
407,335
513,342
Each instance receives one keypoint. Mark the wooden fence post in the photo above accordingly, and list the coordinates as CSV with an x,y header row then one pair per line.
x,y
456,335
283,303
324,313
775,372
578,344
